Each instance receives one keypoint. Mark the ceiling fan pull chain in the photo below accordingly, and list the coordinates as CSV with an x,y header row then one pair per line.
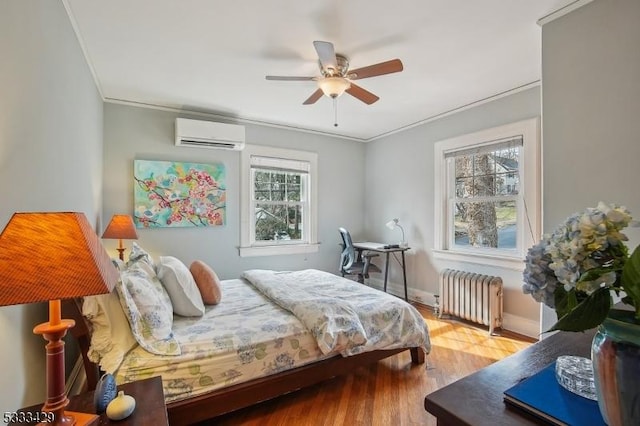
x,y
335,112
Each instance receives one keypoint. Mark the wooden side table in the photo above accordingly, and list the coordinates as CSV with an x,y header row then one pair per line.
x,y
150,407
478,398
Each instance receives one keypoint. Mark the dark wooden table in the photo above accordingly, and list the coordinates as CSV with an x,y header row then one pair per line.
x,y
478,400
150,407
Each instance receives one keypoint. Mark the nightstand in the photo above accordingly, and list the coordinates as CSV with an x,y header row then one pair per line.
x,y
150,408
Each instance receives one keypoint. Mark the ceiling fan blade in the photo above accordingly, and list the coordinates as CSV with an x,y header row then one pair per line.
x,y
388,67
362,94
326,54
287,78
313,98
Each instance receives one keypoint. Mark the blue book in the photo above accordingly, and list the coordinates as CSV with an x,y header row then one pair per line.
x,y
542,396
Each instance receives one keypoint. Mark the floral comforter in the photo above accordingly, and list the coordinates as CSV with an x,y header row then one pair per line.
x,y
247,335
342,315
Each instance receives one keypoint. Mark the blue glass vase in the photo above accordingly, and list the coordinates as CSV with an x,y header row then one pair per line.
x,y
615,353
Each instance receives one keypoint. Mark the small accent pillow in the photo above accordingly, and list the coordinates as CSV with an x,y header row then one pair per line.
x,y
143,300
182,289
207,281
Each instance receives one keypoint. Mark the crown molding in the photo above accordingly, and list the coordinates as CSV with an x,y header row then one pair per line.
x,y
562,11
456,110
238,120
83,47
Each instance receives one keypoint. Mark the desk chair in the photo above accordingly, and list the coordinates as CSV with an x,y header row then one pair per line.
x,y
355,262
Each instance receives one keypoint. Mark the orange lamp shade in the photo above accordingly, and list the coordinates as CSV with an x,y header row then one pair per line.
x,y
47,256
121,227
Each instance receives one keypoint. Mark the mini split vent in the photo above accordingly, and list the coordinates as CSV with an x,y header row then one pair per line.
x,y
209,134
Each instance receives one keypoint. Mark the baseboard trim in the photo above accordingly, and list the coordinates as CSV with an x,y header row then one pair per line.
x,y
521,325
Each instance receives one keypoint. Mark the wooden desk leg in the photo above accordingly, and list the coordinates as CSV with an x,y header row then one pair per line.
x,y
386,271
404,276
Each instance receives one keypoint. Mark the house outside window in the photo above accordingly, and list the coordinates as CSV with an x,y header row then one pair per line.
x,y
488,195
278,201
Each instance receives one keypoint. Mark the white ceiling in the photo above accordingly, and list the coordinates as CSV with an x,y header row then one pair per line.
x,y
212,56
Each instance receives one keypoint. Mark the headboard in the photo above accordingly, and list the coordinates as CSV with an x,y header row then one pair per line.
x,y
72,309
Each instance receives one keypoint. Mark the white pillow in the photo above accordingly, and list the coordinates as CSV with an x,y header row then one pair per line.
x,y
182,288
111,337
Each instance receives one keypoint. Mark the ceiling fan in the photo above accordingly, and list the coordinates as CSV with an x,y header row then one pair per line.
x,y
336,77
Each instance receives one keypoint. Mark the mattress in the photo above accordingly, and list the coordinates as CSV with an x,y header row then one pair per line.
x,y
243,338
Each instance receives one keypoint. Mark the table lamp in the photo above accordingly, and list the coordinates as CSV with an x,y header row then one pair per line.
x,y
392,224
121,228
49,257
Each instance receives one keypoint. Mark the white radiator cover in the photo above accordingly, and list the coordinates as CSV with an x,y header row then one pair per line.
x,y
470,296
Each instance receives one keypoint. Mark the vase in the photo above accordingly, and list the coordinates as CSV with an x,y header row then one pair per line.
x,y
615,353
121,406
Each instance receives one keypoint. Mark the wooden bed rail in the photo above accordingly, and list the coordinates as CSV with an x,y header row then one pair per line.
x,y
245,394
241,395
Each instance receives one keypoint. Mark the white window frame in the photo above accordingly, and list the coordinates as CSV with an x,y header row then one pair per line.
x,y
248,245
530,201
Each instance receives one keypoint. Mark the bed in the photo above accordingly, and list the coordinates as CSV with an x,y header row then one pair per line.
x,y
273,332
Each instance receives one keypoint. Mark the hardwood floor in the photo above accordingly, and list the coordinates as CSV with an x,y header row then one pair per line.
x,y
392,391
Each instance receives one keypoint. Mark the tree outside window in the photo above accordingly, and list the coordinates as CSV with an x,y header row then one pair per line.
x,y
485,207
279,200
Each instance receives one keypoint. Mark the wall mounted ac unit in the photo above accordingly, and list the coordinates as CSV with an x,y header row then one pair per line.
x,y
209,134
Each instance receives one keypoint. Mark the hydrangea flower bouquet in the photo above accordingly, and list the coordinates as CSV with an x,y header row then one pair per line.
x,y
576,268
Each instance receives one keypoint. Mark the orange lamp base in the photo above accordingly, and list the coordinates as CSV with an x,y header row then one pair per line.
x,y
53,332
73,418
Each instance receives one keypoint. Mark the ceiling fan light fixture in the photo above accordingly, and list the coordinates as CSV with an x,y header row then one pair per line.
x,y
333,86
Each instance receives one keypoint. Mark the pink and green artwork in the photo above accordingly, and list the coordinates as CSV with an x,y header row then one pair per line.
x,y
178,194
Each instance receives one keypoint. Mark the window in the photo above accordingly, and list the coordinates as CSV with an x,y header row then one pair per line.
x,y
488,195
278,201
484,206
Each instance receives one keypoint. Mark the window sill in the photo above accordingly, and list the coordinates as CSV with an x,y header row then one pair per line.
x,y
275,250
514,263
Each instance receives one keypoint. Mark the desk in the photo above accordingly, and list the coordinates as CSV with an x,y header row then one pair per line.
x,y
478,400
379,247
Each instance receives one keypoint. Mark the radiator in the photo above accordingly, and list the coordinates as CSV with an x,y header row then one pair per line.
x,y
470,296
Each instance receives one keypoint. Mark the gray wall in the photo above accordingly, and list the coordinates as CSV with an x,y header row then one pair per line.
x,y
50,158
148,134
400,183
591,111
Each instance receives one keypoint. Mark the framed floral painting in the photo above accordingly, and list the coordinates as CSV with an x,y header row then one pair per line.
x,y
178,194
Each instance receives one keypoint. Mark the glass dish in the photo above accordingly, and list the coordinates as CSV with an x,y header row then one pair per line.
x,y
575,374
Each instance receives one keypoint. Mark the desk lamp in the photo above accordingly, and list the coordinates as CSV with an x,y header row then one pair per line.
x,y
121,228
392,224
49,257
